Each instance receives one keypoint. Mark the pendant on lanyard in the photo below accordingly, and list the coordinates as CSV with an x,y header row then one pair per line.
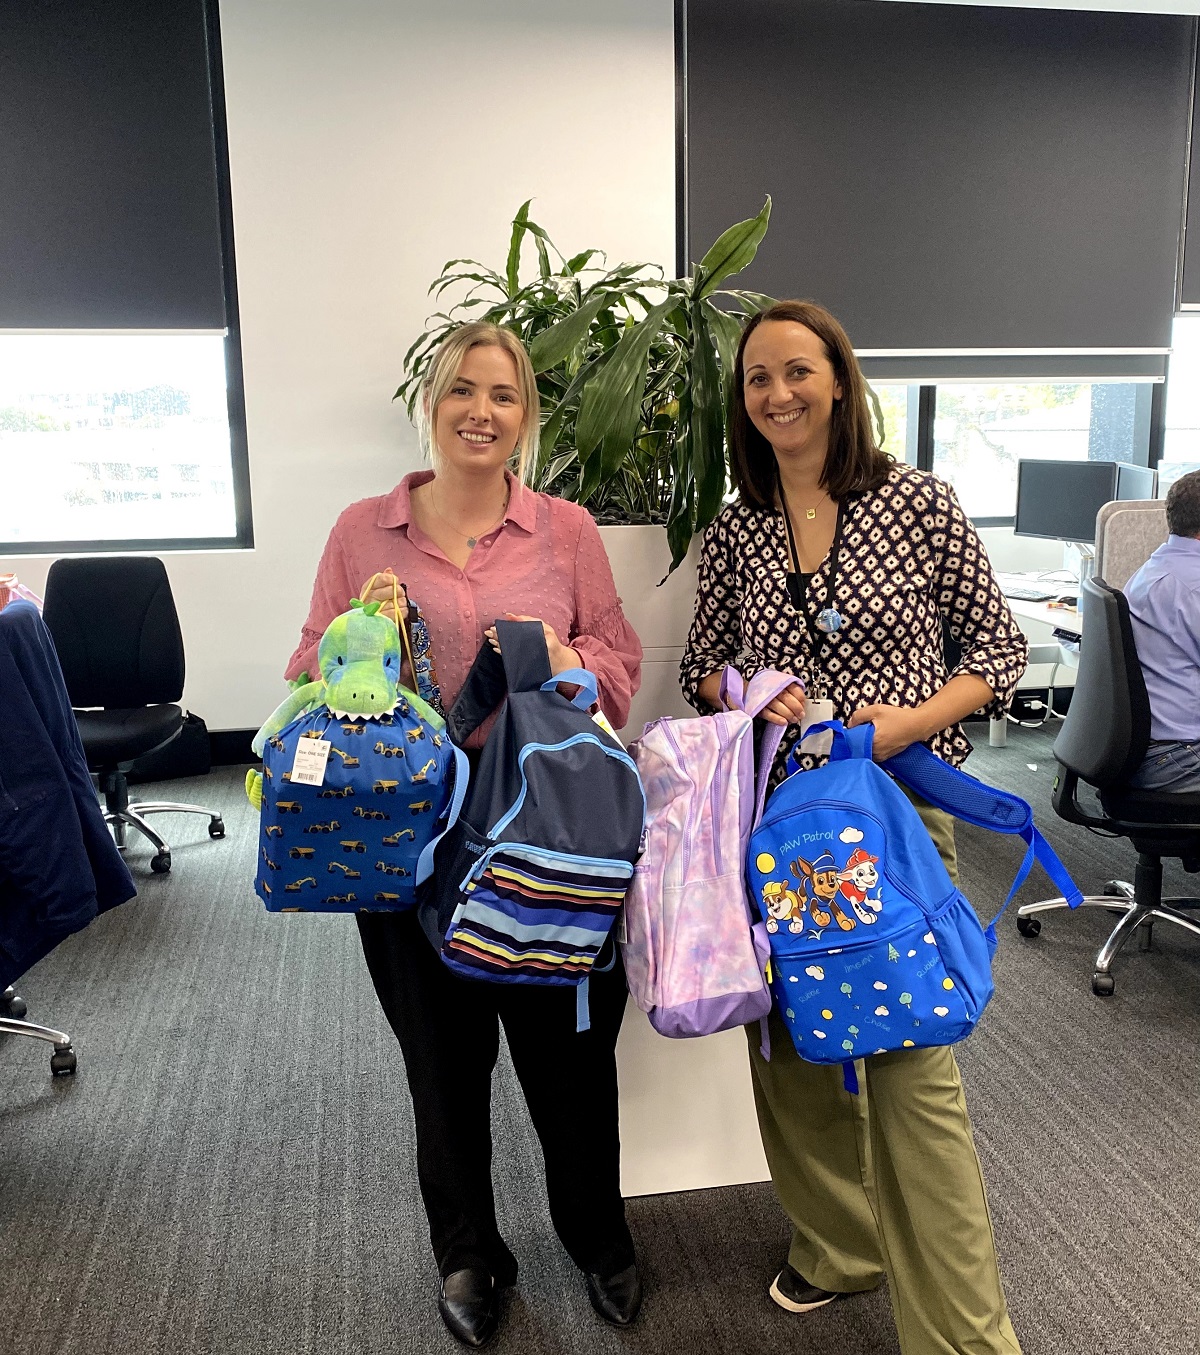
x,y
828,621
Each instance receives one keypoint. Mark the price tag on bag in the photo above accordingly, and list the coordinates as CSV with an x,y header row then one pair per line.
x,y
817,745
309,767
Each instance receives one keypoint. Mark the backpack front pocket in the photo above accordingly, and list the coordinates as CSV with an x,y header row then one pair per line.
x,y
892,993
526,913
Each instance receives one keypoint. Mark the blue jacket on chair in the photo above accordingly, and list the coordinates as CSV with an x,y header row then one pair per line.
x,y
59,866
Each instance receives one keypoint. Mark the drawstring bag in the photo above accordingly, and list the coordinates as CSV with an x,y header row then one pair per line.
x,y
356,775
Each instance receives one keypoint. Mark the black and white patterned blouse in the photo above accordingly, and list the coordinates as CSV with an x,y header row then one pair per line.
x,y
909,557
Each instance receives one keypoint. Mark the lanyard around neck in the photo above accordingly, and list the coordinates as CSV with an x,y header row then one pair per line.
x,y
816,635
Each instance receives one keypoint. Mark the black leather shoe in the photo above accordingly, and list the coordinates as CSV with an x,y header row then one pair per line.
x,y
617,1298
469,1303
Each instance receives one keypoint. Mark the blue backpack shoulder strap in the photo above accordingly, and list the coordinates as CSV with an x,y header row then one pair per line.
x,y
962,795
847,743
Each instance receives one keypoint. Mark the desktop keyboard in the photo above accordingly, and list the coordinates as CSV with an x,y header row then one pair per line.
x,y
1023,593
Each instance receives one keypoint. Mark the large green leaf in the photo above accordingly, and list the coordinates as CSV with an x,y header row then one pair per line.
x,y
552,427
707,431
582,259
513,265
733,250
726,330
611,401
556,344
752,302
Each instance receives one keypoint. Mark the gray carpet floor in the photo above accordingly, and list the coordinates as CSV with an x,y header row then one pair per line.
x,y
231,1169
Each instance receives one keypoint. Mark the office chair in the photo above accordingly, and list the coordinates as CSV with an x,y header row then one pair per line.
x,y
1102,742
117,634
12,1012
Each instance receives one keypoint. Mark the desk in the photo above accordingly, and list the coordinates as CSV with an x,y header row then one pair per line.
x,y
1042,614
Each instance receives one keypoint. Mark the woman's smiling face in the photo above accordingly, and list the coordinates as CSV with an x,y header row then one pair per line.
x,y
790,387
478,422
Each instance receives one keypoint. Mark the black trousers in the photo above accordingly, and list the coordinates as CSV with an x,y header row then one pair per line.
x,y
449,1034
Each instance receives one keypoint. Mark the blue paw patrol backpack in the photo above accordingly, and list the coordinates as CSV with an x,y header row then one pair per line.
x,y
873,947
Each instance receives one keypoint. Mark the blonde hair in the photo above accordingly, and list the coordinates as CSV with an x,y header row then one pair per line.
x,y
443,372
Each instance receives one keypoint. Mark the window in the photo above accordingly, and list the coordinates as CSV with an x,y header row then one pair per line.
x,y
115,438
122,423
980,432
894,403
1181,441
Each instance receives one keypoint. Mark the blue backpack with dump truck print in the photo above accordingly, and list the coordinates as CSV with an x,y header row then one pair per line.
x,y
873,947
352,843
525,884
356,774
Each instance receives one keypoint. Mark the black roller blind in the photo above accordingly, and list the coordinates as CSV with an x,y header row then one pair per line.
x,y
1190,292
109,212
948,177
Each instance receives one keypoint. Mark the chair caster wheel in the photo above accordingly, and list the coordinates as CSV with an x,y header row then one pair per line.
x,y
62,1062
1103,985
15,1007
160,864
1029,926
216,828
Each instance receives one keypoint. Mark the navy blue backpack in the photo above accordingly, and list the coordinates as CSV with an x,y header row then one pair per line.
x,y
873,948
525,883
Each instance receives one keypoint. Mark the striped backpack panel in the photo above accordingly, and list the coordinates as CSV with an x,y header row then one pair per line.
x,y
535,914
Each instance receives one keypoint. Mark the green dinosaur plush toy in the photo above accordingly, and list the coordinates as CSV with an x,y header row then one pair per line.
x,y
359,660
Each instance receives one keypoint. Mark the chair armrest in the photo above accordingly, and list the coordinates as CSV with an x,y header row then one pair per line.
x,y
1065,799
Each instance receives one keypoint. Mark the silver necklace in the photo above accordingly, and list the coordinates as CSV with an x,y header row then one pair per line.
x,y
472,541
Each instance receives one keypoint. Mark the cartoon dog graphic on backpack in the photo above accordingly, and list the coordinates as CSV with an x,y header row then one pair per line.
x,y
783,904
855,880
822,878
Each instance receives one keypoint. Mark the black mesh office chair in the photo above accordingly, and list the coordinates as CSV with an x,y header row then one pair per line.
x,y
117,634
1103,740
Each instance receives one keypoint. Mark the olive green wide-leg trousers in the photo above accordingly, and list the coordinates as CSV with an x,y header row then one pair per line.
x,y
887,1182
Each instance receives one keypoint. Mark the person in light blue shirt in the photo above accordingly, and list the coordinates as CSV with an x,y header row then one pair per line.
x,y
1164,603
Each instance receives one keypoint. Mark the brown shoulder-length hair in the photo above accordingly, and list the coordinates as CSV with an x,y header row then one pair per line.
x,y
855,461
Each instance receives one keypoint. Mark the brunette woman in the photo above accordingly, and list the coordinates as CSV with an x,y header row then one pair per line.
x,y
840,566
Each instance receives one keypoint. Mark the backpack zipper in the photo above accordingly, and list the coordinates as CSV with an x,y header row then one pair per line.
x,y
896,884
618,753
714,799
544,853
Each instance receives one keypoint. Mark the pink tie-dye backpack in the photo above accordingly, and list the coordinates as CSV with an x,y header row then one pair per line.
x,y
695,957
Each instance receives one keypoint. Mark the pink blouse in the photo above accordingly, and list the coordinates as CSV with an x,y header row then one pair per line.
x,y
546,559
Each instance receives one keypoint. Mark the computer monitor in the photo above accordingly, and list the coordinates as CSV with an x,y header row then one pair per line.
x,y
1060,499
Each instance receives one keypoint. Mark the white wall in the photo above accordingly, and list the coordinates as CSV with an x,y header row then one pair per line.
x,y
370,141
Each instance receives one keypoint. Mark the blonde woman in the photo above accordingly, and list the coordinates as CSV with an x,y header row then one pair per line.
x,y
473,544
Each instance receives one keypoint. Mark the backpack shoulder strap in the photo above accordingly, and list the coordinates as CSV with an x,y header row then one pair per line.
x,y
961,795
523,665
753,699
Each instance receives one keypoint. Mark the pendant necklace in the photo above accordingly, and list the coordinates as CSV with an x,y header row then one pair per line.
x,y
472,541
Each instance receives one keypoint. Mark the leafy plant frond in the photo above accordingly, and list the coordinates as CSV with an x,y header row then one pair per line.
x,y
633,369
